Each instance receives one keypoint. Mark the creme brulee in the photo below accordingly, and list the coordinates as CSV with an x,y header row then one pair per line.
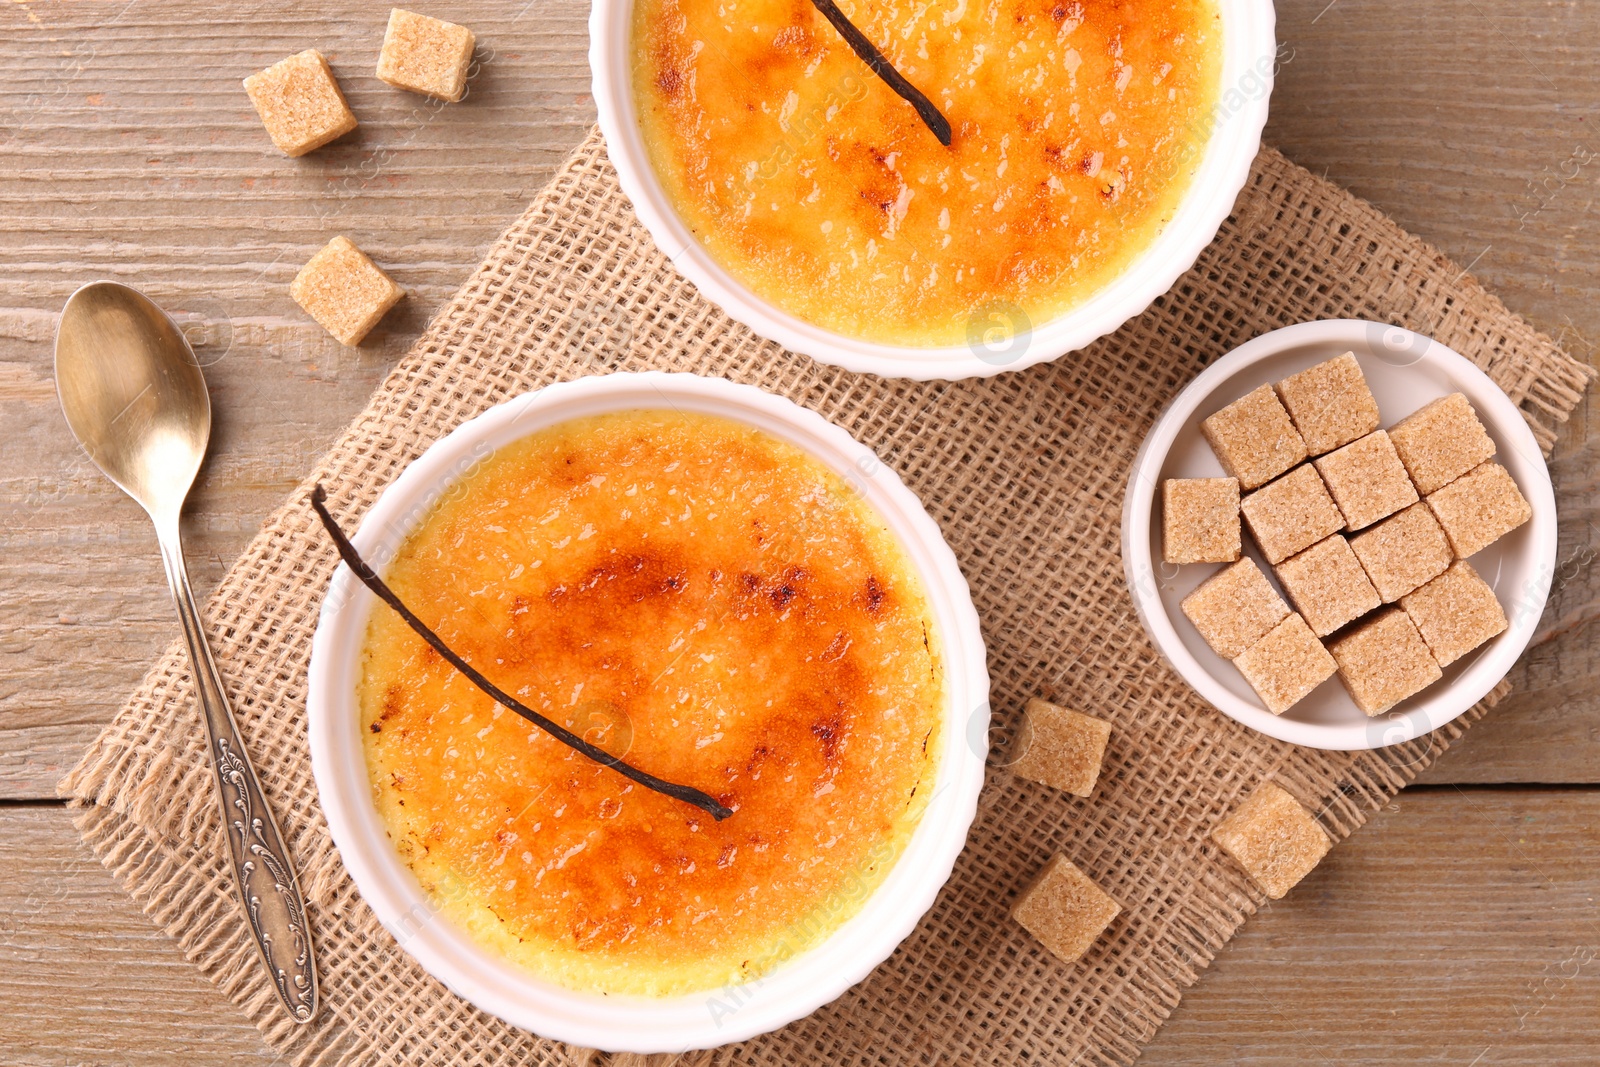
x,y
1077,126
710,603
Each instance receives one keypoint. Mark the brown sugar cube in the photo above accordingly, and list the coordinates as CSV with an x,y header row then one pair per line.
x,y
1367,480
1384,660
1402,552
1064,910
426,55
1273,838
299,102
1254,438
1286,664
1200,520
344,290
1455,613
1292,513
1441,442
1064,748
1328,586
1479,508
1234,608
1330,403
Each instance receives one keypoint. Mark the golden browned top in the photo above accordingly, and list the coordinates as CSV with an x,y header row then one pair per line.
x,y
1077,125
717,606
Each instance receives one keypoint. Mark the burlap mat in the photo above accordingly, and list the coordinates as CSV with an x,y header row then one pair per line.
x,y
1024,472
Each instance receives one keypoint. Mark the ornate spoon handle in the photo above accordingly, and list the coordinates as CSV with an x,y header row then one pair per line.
x,y
263,873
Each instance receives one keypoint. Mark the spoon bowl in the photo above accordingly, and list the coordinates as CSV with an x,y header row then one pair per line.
x,y
133,394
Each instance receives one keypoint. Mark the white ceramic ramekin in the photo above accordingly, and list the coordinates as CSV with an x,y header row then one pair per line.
x,y
626,1023
1248,62
1405,371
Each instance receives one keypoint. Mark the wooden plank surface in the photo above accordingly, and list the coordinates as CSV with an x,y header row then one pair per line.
x,y
1455,922
1458,928
85,977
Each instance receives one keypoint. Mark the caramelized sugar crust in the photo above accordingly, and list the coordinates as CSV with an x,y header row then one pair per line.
x,y
709,602
1076,128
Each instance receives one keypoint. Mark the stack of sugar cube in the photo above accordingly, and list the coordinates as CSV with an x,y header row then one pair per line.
x,y
1366,530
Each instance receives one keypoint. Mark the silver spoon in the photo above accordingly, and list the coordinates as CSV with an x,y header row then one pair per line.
x,y
134,396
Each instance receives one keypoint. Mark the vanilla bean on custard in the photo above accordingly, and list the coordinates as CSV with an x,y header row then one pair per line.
x,y
369,578
881,66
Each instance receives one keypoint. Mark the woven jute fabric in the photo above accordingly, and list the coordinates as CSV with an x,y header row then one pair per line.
x,y
1024,472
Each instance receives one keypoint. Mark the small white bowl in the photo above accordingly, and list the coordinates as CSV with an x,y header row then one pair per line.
x,y
1248,59
620,1023
1405,371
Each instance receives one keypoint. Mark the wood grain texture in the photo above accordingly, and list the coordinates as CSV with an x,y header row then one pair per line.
x,y
1458,928
1454,922
86,978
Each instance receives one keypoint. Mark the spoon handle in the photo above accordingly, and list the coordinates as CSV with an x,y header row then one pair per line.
x,y
264,874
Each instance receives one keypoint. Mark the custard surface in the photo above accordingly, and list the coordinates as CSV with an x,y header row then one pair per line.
x,y
1077,127
708,602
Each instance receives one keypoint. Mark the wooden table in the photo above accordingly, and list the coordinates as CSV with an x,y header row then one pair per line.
x,y
1459,927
